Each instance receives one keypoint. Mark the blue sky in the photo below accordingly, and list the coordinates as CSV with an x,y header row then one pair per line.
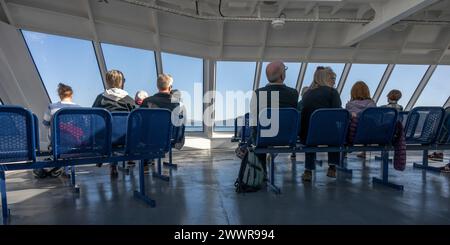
x,y
73,61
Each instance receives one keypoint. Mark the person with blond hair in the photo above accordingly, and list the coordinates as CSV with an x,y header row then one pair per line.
x,y
115,98
321,94
65,94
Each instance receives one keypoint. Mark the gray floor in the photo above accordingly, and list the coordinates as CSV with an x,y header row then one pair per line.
x,y
201,192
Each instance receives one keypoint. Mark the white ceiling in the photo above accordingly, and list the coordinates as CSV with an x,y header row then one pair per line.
x,y
394,31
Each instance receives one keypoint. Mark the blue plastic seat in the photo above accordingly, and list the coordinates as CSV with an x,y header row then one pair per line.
x,y
287,127
81,132
444,133
423,125
149,132
36,133
17,136
403,117
328,127
376,126
245,127
119,129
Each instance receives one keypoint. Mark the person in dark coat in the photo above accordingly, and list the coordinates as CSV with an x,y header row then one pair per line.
x,y
114,99
321,94
287,97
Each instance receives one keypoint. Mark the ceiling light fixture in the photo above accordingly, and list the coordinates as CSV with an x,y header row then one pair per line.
x,y
278,24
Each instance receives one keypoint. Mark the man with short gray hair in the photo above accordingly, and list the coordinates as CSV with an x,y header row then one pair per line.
x,y
162,99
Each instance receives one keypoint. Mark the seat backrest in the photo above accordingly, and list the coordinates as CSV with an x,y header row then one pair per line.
x,y
17,137
81,132
328,127
149,131
423,125
36,132
286,135
403,117
119,129
444,134
245,128
376,126
178,131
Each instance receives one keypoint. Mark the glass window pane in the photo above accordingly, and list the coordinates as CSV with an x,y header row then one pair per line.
x,y
234,87
187,73
437,90
369,73
291,74
309,75
404,78
66,60
137,65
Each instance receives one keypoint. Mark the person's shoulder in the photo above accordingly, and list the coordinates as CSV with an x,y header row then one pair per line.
x,y
128,100
291,90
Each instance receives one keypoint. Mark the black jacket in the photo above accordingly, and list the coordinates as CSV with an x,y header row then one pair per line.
x,y
288,98
124,104
160,100
321,97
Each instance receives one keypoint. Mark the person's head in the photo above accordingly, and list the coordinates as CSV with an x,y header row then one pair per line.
x,y
304,90
140,96
394,95
360,91
164,83
276,72
115,79
324,76
65,92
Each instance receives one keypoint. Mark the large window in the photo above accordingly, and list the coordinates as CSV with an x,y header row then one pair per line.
x,y
137,65
404,78
291,74
66,60
187,73
437,90
368,73
234,87
309,75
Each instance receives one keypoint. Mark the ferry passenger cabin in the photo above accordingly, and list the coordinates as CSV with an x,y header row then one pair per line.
x,y
144,111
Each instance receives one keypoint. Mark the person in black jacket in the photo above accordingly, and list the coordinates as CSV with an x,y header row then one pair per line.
x,y
162,99
287,96
166,98
114,99
321,94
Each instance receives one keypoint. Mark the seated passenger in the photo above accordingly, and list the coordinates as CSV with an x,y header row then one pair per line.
x,y
162,99
360,100
65,94
287,96
166,98
114,99
140,96
321,94
393,97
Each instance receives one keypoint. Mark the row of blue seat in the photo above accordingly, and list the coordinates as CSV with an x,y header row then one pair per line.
x,y
425,128
85,136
